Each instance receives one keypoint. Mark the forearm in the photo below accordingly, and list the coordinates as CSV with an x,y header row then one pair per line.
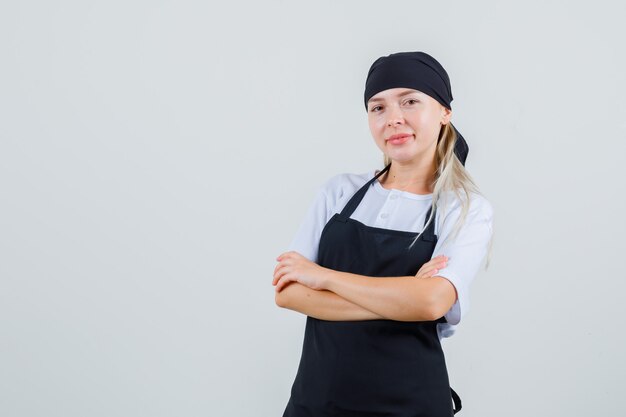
x,y
322,304
405,298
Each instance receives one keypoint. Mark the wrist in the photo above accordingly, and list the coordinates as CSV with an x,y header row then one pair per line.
x,y
327,278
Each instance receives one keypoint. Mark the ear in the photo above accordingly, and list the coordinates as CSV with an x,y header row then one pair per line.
x,y
446,114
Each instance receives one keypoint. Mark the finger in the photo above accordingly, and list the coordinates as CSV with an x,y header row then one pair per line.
x,y
281,271
431,273
439,258
431,266
280,264
280,285
428,274
425,274
282,282
435,267
437,261
276,276
283,255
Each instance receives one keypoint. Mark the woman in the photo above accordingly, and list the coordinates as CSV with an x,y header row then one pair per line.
x,y
372,346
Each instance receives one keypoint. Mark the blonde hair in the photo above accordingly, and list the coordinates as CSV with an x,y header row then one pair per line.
x,y
452,176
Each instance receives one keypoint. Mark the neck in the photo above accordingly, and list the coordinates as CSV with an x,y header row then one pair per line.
x,y
414,176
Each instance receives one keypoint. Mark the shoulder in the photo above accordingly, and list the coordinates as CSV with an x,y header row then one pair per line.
x,y
343,184
478,207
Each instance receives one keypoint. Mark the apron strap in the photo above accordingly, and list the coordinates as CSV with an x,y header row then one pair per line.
x,y
457,401
358,196
428,234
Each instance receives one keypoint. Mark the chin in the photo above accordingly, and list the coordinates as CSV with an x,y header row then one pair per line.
x,y
401,156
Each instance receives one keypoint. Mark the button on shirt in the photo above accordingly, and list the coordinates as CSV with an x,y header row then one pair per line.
x,y
401,210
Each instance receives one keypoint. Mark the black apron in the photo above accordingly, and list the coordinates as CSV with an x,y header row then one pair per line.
x,y
372,368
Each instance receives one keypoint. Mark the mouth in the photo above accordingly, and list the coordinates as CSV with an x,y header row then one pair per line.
x,y
399,138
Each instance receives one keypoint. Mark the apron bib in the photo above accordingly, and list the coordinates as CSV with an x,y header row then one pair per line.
x,y
372,367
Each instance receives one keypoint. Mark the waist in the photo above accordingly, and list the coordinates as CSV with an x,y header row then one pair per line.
x,y
383,340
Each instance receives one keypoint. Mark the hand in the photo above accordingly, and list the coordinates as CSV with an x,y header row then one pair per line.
x,y
433,266
293,267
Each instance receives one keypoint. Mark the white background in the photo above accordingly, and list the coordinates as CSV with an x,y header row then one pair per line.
x,y
156,157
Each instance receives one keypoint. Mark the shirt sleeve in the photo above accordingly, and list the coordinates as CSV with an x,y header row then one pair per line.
x,y
307,237
466,251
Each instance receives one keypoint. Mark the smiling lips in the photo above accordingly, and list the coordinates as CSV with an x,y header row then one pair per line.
x,y
398,139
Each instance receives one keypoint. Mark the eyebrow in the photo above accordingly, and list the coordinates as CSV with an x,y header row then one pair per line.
x,y
399,95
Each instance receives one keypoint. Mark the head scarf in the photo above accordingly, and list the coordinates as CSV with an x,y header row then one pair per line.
x,y
419,71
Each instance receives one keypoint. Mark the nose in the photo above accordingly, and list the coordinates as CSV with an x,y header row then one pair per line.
x,y
395,117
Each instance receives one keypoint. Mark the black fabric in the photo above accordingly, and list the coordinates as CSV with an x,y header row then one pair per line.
x,y
416,70
419,71
372,368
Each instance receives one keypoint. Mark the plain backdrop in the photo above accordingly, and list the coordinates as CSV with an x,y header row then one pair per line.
x,y
157,156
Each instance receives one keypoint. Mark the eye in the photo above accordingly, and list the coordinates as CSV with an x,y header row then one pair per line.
x,y
412,100
374,108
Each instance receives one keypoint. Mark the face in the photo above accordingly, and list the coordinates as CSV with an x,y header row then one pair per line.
x,y
398,112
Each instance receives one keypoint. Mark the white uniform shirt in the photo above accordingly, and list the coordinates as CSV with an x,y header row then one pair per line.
x,y
401,210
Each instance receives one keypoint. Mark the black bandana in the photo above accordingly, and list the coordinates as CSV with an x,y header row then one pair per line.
x,y
419,71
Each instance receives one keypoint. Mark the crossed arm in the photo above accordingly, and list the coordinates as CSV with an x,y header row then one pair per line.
x,y
348,296
321,304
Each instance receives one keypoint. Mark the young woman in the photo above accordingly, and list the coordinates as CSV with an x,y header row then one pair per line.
x,y
383,262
